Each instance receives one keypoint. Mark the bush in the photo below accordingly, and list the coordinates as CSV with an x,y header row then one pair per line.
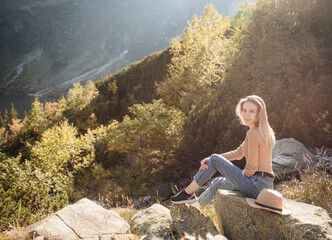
x,y
61,153
40,118
9,137
24,193
146,144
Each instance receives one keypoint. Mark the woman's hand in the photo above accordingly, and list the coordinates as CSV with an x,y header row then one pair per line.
x,y
203,164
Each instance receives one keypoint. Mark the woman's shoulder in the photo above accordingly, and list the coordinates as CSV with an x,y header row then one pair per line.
x,y
254,133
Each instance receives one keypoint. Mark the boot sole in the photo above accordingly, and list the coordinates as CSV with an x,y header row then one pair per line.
x,y
185,201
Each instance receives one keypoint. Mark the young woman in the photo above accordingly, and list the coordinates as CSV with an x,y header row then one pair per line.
x,y
257,148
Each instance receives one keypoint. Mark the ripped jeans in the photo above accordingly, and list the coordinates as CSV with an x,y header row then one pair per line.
x,y
232,178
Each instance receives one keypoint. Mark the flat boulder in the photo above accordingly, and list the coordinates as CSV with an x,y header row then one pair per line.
x,y
240,221
289,156
82,220
152,223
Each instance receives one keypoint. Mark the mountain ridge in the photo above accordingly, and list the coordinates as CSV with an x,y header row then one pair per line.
x,y
45,44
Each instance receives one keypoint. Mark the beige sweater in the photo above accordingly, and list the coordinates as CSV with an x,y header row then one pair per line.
x,y
258,154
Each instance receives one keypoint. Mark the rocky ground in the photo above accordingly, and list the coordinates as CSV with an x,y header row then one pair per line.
x,y
144,215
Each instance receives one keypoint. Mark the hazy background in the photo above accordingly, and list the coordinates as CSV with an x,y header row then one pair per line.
x,y
47,45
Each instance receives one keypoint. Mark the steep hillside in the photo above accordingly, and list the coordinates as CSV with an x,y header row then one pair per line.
x,y
133,84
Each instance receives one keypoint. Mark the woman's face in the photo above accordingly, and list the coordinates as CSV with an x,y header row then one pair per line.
x,y
249,114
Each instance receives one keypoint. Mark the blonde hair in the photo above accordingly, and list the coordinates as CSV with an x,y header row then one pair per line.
x,y
262,123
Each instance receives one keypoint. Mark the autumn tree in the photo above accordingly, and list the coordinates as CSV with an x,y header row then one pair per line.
x,y
78,108
199,59
62,152
148,140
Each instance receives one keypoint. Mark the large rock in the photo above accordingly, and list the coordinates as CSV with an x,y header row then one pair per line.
x,y
289,157
152,223
240,221
190,220
82,220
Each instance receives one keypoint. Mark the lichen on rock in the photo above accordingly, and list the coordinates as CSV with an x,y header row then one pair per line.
x,y
153,222
240,221
190,220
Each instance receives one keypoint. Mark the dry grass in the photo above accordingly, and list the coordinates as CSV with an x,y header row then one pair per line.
x,y
15,234
313,187
126,213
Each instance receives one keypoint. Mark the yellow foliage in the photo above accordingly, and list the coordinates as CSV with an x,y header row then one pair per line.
x,y
62,152
199,59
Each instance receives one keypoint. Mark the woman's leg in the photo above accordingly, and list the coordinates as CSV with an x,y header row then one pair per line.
x,y
192,187
204,175
232,173
209,194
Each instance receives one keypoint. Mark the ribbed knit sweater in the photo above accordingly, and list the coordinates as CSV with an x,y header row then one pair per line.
x,y
258,154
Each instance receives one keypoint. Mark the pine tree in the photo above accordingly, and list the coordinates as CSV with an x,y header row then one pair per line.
x,y
12,112
1,120
6,118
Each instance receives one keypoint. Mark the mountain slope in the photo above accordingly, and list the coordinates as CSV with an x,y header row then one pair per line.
x,y
48,45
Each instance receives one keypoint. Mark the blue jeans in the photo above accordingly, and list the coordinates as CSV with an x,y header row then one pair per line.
x,y
232,178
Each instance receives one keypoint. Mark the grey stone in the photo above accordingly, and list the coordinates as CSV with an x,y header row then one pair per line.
x,y
152,223
191,220
53,227
240,221
82,220
289,156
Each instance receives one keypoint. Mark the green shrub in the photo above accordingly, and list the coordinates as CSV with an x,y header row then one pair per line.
x,y
24,193
147,144
96,181
40,118
61,153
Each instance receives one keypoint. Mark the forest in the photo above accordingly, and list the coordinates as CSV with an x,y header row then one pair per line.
x,y
153,121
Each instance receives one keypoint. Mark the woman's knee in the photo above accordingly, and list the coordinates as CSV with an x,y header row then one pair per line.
x,y
221,183
217,158
216,184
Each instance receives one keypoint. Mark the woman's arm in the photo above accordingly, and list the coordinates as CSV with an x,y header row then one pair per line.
x,y
232,155
252,158
236,154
